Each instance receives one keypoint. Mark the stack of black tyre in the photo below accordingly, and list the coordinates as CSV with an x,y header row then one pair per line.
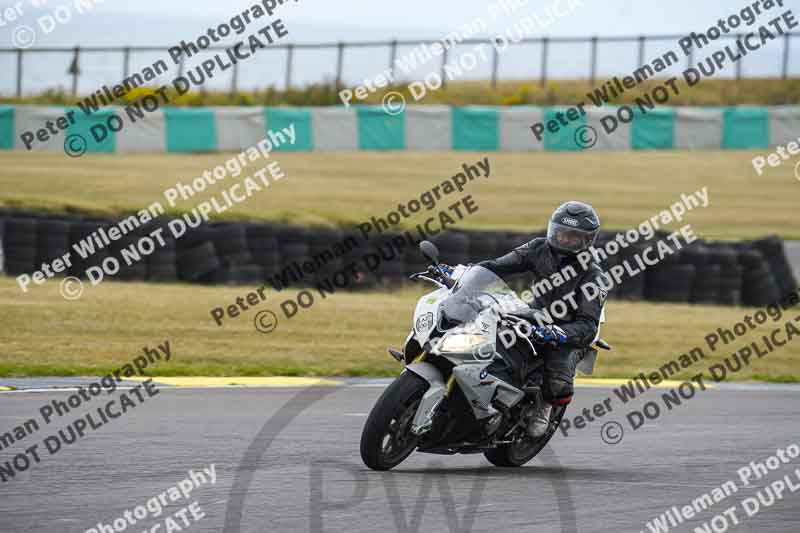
x,y
752,273
629,287
262,243
162,264
454,247
20,246
774,255
233,252
670,280
705,285
195,255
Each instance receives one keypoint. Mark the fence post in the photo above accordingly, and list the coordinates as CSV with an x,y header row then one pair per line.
x,y
19,72
235,79
495,63
593,64
392,58
543,76
289,60
739,63
126,62
786,38
339,65
640,61
444,63
75,70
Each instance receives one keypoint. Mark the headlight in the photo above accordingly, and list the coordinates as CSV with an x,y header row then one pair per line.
x,y
462,342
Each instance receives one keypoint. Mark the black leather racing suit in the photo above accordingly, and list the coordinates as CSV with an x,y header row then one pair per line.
x,y
581,321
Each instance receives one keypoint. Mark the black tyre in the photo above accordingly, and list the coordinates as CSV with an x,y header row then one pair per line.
x,y
261,233
197,262
162,272
20,254
53,234
15,268
20,232
133,272
387,440
240,275
525,449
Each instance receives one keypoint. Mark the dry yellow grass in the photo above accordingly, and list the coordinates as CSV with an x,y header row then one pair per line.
x,y
345,334
347,188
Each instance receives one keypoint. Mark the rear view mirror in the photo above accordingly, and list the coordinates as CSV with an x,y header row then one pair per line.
x,y
430,252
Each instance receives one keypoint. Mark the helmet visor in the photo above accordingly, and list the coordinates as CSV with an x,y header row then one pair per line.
x,y
568,239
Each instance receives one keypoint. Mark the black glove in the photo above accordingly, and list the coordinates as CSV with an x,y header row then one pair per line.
x,y
441,270
550,333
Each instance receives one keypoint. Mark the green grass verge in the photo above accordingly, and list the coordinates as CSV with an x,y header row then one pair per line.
x,y
345,334
348,188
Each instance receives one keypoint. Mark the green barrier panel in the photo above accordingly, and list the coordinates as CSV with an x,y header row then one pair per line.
x,y
653,130
190,130
476,129
7,127
278,118
745,128
94,130
378,130
564,138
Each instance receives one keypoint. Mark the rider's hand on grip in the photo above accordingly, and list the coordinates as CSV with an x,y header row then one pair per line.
x,y
441,270
550,333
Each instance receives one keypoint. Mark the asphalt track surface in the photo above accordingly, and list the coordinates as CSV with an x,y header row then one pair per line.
x,y
287,459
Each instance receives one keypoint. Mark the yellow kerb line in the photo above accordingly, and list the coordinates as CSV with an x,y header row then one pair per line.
x,y
248,381
614,382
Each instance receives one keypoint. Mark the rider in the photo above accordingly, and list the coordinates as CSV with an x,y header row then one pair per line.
x,y
573,228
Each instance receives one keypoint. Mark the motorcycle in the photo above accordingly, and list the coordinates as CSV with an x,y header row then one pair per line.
x,y
472,379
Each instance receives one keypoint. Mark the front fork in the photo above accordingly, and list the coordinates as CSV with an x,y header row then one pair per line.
x,y
434,396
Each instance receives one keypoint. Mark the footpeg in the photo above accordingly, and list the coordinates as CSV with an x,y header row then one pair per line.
x,y
532,391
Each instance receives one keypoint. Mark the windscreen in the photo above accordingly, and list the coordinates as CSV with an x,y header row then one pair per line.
x,y
477,289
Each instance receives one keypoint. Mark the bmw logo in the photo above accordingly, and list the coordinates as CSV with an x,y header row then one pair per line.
x,y
484,373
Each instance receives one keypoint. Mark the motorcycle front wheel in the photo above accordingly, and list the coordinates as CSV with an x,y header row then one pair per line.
x,y
387,440
523,450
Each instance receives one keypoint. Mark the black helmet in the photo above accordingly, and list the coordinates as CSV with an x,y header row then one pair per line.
x,y
573,227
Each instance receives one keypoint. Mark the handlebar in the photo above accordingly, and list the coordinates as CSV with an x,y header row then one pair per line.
x,y
434,275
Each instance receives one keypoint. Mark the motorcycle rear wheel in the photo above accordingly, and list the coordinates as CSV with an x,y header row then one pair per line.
x,y
386,440
522,451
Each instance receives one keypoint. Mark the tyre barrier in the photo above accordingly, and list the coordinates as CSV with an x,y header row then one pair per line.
x,y
752,273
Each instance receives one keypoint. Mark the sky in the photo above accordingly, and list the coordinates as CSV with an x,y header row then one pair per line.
x,y
368,19
365,19
164,23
